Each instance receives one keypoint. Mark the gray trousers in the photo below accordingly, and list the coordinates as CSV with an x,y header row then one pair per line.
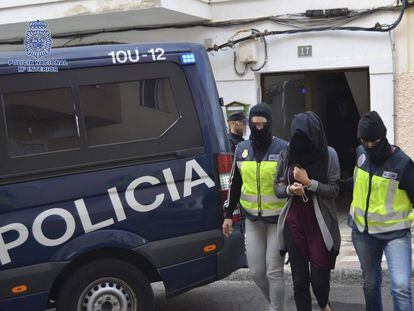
x,y
265,262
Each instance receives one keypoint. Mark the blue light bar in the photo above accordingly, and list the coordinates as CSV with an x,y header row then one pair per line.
x,y
187,59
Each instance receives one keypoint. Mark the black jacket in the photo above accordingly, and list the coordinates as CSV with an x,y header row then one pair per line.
x,y
234,140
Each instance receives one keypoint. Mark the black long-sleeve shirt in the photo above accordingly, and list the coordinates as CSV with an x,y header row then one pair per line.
x,y
235,190
234,139
407,181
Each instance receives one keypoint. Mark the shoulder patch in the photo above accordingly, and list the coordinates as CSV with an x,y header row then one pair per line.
x,y
245,153
361,160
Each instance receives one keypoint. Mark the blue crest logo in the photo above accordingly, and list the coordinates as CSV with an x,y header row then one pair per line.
x,y
38,40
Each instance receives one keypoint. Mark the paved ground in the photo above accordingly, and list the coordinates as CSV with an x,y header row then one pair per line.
x,y
244,296
238,292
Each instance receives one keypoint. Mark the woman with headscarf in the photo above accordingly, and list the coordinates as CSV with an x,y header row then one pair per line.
x,y
252,183
308,225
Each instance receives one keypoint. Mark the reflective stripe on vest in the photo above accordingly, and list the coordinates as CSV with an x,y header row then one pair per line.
x,y
389,208
258,193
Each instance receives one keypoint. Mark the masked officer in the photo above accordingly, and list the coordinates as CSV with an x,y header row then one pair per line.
x,y
252,182
237,126
381,213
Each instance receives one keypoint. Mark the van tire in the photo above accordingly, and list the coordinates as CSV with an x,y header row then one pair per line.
x,y
106,281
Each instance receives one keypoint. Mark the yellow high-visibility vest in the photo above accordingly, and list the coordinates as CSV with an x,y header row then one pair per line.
x,y
258,195
378,205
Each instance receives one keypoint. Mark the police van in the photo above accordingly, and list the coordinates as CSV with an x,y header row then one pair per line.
x,y
113,174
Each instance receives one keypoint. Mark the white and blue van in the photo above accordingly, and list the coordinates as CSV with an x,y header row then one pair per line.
x,y
113,174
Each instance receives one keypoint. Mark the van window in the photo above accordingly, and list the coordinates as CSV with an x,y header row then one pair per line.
x,y
127,111
95,117
40,121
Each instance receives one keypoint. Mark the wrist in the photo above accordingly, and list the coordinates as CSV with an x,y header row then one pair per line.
x,y
313,186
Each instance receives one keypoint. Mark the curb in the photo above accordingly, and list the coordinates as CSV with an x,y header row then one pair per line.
x,y
343,276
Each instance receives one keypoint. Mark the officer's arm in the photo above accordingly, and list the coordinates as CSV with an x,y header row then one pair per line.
x,y
407,181
346,185
331,188
233,197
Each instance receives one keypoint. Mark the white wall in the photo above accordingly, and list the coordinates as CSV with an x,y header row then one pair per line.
x,y
331,50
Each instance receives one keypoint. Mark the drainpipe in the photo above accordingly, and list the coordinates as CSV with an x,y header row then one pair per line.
x,y
394,116
410,18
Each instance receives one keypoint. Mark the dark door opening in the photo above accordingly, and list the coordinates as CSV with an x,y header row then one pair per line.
x,y
339,97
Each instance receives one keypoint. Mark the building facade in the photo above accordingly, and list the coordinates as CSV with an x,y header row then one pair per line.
x,y
340,74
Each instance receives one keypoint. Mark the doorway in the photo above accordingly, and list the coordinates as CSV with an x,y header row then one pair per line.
x,y
339,97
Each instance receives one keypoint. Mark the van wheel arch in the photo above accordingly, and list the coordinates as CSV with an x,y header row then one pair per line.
x,y
142,263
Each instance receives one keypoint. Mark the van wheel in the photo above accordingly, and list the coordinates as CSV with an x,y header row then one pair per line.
x,y
106,285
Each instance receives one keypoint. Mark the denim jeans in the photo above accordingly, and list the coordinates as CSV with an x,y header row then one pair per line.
x,y
398,255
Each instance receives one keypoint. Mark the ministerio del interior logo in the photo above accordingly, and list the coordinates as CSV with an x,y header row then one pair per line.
x,y
38,44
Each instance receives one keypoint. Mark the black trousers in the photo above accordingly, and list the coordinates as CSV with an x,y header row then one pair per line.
x,y
305,274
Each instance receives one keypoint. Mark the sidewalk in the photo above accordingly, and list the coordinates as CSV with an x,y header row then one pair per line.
x,y
347,269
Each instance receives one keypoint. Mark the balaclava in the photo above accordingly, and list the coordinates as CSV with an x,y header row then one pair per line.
x,y
262,137
370,128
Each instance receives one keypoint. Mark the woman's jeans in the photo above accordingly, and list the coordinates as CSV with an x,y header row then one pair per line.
x,y
265,262
398,255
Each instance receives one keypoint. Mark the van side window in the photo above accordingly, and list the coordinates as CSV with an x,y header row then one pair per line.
x,y
157,94
127,111
40,121
89,118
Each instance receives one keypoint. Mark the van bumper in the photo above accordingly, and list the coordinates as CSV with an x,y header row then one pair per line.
x,y
33,302
38,278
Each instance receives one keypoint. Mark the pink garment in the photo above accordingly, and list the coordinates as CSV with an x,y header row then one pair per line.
x,y
305,232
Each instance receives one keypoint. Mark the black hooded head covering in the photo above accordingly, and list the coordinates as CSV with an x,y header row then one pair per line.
x,y
371,128
308,147
261,138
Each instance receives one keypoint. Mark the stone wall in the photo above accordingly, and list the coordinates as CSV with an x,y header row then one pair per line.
x,y
405,112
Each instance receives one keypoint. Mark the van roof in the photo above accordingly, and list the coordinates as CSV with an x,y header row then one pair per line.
x,y
100,51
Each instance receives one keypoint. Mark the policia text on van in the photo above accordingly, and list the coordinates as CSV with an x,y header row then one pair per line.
x,y
103,187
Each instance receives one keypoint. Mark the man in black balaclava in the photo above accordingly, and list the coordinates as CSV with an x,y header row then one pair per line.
x,y
381,213
252,183
372,132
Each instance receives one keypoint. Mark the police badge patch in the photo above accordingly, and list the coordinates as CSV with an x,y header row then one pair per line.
x,y
361,160
245,153
38,40
272,157
389,175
